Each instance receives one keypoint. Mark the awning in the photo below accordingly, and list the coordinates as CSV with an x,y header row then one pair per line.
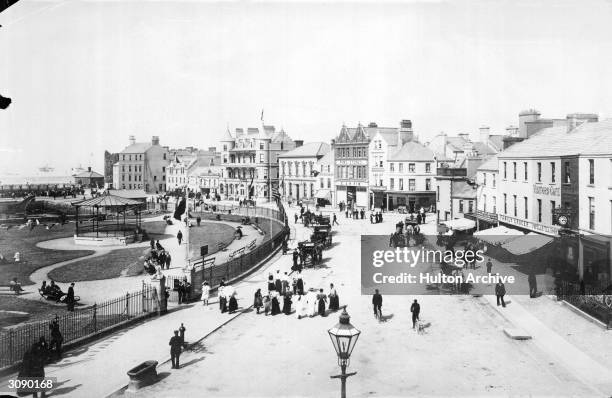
x,y
527,243
498,235
460,224
323,194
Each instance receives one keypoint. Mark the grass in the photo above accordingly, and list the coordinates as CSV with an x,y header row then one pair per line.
x,y
35,309
209,234
24,241
107,266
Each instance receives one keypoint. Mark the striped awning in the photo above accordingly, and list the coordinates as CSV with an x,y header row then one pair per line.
x,y
107,201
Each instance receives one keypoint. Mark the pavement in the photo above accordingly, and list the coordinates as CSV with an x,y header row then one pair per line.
x,y
463,350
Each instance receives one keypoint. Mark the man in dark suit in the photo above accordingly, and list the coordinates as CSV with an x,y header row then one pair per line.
x,y
70,297
415,308
500,291
377,304
175,349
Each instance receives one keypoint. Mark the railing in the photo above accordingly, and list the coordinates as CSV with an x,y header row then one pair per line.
x,y
79,324
594,299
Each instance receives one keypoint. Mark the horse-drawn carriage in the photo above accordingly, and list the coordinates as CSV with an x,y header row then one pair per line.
x,y
410,237
310,252
322,235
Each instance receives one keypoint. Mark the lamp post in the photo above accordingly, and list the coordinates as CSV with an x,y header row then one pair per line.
x,y
344,338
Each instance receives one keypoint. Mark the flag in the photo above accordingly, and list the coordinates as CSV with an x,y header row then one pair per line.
x,y
262,114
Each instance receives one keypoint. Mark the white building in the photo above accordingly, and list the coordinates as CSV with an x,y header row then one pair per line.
x,y
487,179
141,165
325,192
298,170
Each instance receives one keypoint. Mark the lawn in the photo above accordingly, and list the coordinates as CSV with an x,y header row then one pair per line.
x,y
209,234
34,309
24,241
111,265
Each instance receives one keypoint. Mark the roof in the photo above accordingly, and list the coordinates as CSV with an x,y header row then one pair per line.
x,y
412,151
128,193
107,200
497,141
328,158
587,139
89,174
139,147
206,170
491,164
461,189
483,148
441,157
308,150
456,143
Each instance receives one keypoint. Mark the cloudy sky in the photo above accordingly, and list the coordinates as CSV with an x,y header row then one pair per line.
x,y
84,75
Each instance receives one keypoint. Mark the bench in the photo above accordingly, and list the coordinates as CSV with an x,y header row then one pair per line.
x,y
261,232
221,247
9,289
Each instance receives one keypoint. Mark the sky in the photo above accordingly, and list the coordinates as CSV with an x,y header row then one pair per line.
x,y
84,75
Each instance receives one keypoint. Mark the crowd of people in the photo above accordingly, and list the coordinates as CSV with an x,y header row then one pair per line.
x,y
52,291
158,259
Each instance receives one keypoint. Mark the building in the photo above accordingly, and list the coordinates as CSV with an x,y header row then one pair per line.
x,y
205,180
89,179
141,165
487,178
325,192
459,147
298,170
351,175
109,160
184,162
250,161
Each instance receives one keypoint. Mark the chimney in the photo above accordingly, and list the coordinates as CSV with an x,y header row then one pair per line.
x,y
405,133
239,132
372,125
529,115
89,168
465,136
484,134
298,143
512,131
576,119
155,140
132,140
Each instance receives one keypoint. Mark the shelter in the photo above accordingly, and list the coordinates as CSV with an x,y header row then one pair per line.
x,y
107,220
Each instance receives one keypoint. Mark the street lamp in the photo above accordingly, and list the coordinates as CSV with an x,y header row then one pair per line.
x,y
344,338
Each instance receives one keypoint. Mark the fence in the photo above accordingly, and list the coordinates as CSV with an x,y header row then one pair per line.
x,y
79,324
277,231
594,299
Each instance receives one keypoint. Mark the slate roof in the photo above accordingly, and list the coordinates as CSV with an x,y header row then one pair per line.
x,y
491,164
412,151
308,150
139,147
461,189
89,174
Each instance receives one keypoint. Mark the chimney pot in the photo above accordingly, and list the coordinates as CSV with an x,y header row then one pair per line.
x,y
155,140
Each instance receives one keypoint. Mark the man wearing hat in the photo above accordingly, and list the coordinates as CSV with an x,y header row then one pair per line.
x,y
175,349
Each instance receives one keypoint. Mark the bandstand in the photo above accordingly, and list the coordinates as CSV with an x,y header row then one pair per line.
x,y
108,220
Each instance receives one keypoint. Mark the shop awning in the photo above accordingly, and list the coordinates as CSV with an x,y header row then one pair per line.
x,y
527,243
323,194
460,224
498,235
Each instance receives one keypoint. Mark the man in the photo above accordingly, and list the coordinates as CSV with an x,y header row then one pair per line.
x,y
335,220
70,297
489,266
533,284
295,217
377,304
278,284
168,260
415,308
179,237
56,338
500,291
175,349
182,334
422,212
295,260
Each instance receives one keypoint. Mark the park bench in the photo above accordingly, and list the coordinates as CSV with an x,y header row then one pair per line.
x,y
261,232
8,289
56,297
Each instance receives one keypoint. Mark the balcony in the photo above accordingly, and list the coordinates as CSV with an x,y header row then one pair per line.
x,y
451,172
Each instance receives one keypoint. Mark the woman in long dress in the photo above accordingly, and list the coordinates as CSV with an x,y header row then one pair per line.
x,y
267,304
322,300
258,300
301,307
311,298
334,300
287,303
270,282
233,303
275,304
300,285
205,293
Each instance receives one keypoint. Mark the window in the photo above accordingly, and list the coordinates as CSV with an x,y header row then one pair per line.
x,y
505,204
392,183
154,178
470,206
526,207
525,168
428,184
401,167
411,167
591,213
437,193
493,175
566,173
261,145
460,206
484,179
494,204
484,202
412,184
164,157
505,170
123,168
552,171
163,169
514,170
130,168
539,210
261,158
553,205
392,167
328,183
123,159
591,171
428,167
322,184
224,147
539,172
514,199
401,184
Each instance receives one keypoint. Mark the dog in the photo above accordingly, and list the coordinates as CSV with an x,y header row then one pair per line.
x,y
421,326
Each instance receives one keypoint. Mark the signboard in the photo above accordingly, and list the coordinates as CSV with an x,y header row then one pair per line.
x,y
545,229
351,162
353,183
546,190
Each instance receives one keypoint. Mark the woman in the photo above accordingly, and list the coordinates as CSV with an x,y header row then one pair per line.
x,y
233,303
270,282
267,304
334,300
258,301
287,303
302,307
275,304
300,285
205,293
322,300
222,301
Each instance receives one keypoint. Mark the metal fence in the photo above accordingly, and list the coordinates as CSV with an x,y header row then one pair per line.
x,y
594,299
79,324
228,270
